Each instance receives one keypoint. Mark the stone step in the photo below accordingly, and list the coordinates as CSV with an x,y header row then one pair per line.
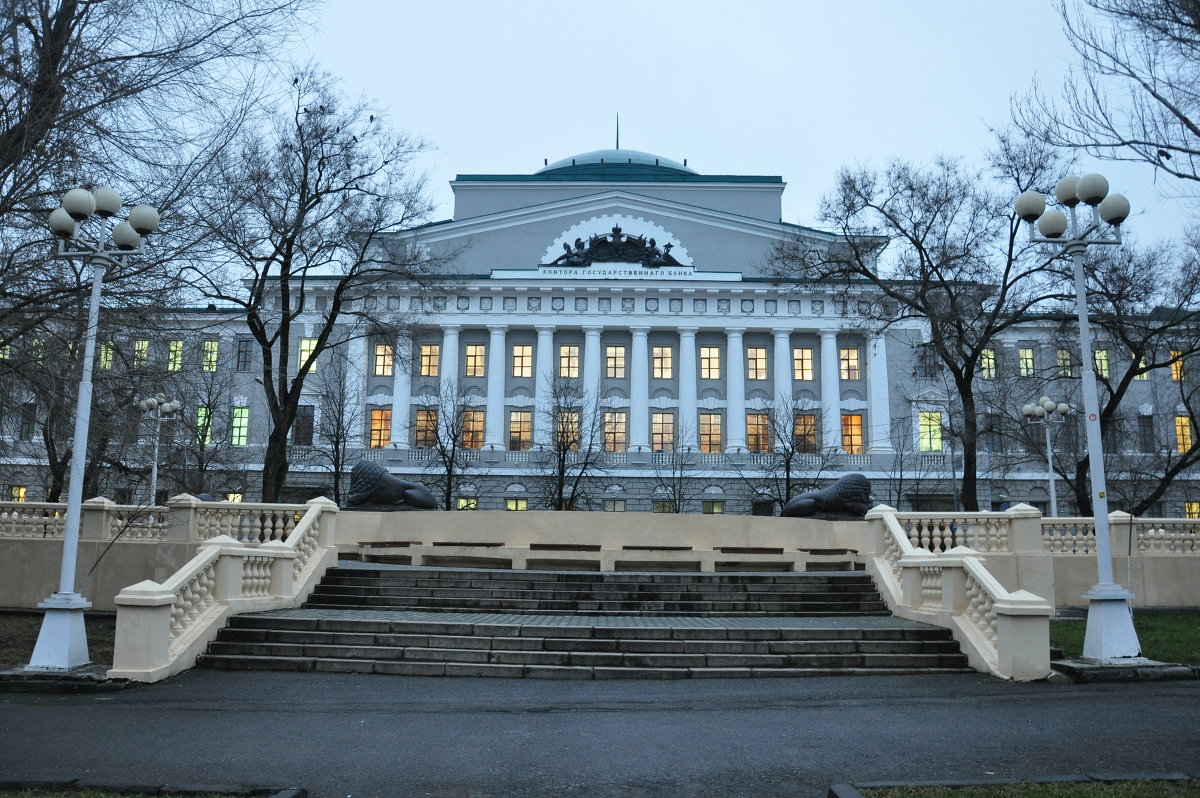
x,y
608,577
326,589
650,601
791,612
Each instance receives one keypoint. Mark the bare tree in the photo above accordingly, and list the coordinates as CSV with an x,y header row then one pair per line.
x,y
574,458
340,417
449,427
307,209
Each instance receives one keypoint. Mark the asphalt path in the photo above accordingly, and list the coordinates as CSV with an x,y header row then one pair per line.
x,y
366,736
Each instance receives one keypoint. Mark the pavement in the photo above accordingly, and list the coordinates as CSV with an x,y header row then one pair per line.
x,y
339,735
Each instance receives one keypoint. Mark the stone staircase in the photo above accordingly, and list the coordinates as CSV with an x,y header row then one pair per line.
x,y
586,625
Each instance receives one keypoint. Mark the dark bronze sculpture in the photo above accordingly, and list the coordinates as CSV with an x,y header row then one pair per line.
x,y
373,488
848,498
616,247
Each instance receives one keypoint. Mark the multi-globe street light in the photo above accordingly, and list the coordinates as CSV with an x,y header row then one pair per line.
x,y
1110,634
1047,412
163,410
80,225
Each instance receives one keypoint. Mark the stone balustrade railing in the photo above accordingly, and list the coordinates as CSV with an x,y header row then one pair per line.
x,y
1075,536
1003,633
32,520
163,627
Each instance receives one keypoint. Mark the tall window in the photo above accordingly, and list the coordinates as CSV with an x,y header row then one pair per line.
x,y
756,362
758,432
426,432
105,360
567,430
1183,434
1190,509
307,347
1025,362
987,364
1139,365
239,426
848,360
1100,358
431,359
852,440
520,430
1063,357
804,430
662,432
929,365
382,366
661,367
472,429
174,355
568,361
18,493
208,355
1177,365
476,362
929,430
1147,440
245,354
522,360
710,432
141,353
710,362
802,363
302,427
27,422
614,362
614,430
203,426
381,427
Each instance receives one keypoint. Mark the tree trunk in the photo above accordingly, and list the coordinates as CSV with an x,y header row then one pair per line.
x,y
275,464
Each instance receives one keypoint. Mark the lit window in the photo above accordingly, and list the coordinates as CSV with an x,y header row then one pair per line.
x,y
802,363
174,355
758,432
614,505
1100,357
239,427
929,430
520,430
805,432
1063,357
1183,434
614,362
381,427
431,356
1176,365
105,361
852,440
5,352
661,363
1190,509
568,361
516,504
987,364
713,507
756,362
37,348
426,429
1138,364
208,355
522,360
662,432
567,430
18,493
467,503
235,498
141,354
203,426
710,432
848,360
476,362
710,363
1025,362
472,429
384,355
614,430
245,354
664,506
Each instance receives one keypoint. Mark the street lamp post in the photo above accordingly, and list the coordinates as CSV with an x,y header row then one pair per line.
x,y
1110,634
1047,412
163,410
62,642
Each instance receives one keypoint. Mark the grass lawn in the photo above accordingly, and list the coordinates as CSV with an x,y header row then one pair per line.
x,y
19,633
1087,789
1167,638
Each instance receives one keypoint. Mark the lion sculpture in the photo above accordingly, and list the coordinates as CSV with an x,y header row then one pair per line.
x,y
373,488
848,498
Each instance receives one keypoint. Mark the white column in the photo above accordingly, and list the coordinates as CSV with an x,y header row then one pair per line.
x,y
735,390
639,391
448,362
783,399
689,419
879,412
591,381
493,424
543,385
831,392
356,356
401,393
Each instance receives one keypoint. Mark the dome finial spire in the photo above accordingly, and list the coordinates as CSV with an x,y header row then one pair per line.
x,y
618,130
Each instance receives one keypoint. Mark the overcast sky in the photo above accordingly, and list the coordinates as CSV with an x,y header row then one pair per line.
x,y
793,88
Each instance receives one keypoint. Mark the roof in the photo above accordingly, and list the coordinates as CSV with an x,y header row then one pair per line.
x,y
620,165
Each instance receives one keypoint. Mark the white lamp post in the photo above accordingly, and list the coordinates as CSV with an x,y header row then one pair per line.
x,y
163,410
1110,634
1047,412
62,642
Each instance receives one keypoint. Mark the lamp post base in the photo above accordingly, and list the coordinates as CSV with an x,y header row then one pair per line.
x,y
1110,634
62,643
